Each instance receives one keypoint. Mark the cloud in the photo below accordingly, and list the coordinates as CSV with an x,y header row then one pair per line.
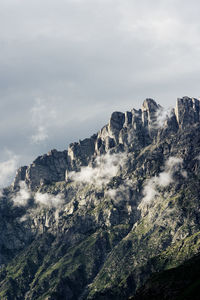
x,y
41,199
49,200
122,192
22,196
8,168
150,190
42,116
162,115
172,162
104,168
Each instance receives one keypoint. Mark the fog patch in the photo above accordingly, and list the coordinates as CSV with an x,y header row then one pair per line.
x,y
122,192
40,199
104,168
49,200
150,190
8,168
22,196
162,115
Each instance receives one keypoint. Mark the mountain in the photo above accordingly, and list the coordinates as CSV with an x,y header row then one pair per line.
x,y
177,283
109,217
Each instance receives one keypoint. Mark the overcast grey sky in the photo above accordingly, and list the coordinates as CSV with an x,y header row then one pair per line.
x,y
65,65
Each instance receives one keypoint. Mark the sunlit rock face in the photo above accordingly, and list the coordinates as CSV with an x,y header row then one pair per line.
x,y
187,111
96,220
46,168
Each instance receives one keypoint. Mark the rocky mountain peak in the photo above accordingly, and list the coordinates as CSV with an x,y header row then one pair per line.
x,y
116,121
150,105
130,130
94,221
187,111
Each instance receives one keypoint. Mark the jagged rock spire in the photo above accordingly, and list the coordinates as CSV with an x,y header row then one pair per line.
x,y
187,111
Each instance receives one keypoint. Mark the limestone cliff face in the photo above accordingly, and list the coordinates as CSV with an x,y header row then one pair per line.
x,y
80,153
187,111
96,220
45,169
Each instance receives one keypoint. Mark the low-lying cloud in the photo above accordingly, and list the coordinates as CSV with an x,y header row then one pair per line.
x,y
41,199
162,115
122,192
8,168
49,200
22,196
162,180
105,167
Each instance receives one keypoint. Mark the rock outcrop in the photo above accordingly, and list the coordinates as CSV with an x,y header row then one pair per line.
x,y
80,153
20,176
45,169
187,111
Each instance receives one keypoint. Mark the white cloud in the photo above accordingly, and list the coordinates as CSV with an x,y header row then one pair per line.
x,y
104,169
149,191
8,168
162,115
22,196
122,192
111,193
41,199
49,200
162,180
172,162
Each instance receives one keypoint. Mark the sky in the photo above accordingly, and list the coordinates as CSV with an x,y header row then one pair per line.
x,y
66,65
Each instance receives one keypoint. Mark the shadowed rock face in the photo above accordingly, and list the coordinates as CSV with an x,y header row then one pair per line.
x,y
131,208
149,109
116,121
181,282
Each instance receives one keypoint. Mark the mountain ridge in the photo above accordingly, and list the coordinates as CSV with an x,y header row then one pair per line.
x,y
187,112
96,220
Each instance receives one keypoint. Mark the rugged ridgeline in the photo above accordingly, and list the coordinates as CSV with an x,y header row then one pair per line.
x,y
95,221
